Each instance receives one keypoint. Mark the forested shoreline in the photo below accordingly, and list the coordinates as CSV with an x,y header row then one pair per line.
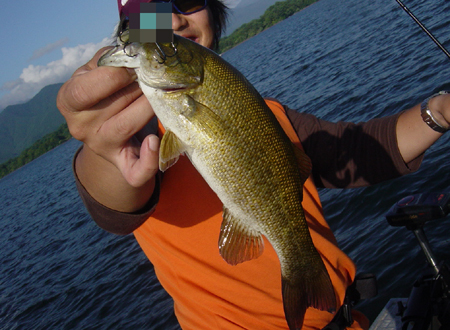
x,y
274,14
40,147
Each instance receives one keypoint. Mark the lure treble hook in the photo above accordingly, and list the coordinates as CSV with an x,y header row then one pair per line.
x,y
163,56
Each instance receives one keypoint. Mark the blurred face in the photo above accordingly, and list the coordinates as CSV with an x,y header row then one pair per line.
x,y
196,26
191,19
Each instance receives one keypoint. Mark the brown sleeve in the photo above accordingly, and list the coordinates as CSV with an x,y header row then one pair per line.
x,y
111,220
347,155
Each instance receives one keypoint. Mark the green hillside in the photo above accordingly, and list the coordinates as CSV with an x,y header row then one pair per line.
x,y
40,147
23,124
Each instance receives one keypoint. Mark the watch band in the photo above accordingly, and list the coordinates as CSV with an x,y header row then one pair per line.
x,y
428,117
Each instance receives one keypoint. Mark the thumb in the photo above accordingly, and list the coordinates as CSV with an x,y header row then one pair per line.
x,y
142,169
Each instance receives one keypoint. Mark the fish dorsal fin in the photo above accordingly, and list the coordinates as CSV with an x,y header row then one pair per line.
x,y
238,242
170,150
304,163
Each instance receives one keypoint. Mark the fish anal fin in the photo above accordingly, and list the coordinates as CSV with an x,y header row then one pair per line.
x,y
312,290
238,242
304,163
170,150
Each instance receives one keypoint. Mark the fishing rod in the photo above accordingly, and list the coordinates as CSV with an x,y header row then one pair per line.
x,y
424,28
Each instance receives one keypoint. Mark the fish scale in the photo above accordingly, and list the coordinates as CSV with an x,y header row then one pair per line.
x,y
214,116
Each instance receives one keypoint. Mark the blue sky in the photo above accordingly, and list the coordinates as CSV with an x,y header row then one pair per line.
x,y
43,42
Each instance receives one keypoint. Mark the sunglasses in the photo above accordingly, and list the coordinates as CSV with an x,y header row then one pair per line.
x,y
186,7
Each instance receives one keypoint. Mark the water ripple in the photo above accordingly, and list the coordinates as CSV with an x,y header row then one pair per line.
x,y
59,271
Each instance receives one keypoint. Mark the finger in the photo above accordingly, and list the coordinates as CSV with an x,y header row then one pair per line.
x,y
139,170
129,121
85,91
84,124
91,84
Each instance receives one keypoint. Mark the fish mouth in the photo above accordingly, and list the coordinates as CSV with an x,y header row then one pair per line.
x,y
117,57
175,89
165,87
180,87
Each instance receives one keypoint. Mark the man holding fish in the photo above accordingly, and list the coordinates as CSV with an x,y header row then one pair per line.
x,y
234,228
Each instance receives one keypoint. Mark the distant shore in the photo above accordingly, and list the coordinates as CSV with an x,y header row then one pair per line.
x,y
273,15
40,147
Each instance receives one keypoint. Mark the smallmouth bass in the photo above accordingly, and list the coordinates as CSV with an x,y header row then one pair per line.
x,y
214,116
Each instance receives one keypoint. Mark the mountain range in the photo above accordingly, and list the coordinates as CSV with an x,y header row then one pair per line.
x,y
23,124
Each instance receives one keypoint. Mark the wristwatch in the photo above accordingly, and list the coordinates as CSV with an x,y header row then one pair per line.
x,y
428,117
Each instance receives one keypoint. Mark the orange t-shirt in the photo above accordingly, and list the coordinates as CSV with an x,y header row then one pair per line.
x,y
181,240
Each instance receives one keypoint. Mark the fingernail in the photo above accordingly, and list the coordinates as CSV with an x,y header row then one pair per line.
x,y
100,55
153,143
107,49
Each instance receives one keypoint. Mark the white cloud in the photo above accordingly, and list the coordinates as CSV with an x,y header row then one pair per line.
x,y
231,3
35,77
48,48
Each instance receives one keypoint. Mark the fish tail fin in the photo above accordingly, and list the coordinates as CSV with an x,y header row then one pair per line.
x,y
313,289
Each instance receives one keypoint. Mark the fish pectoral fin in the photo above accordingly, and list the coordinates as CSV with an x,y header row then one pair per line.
x,y
238,242
170,150
304,163
203,117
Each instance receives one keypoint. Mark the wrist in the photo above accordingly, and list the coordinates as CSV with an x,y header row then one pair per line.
x,y
103,181
435,111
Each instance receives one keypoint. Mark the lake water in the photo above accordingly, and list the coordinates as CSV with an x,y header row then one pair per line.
x,y
346,60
